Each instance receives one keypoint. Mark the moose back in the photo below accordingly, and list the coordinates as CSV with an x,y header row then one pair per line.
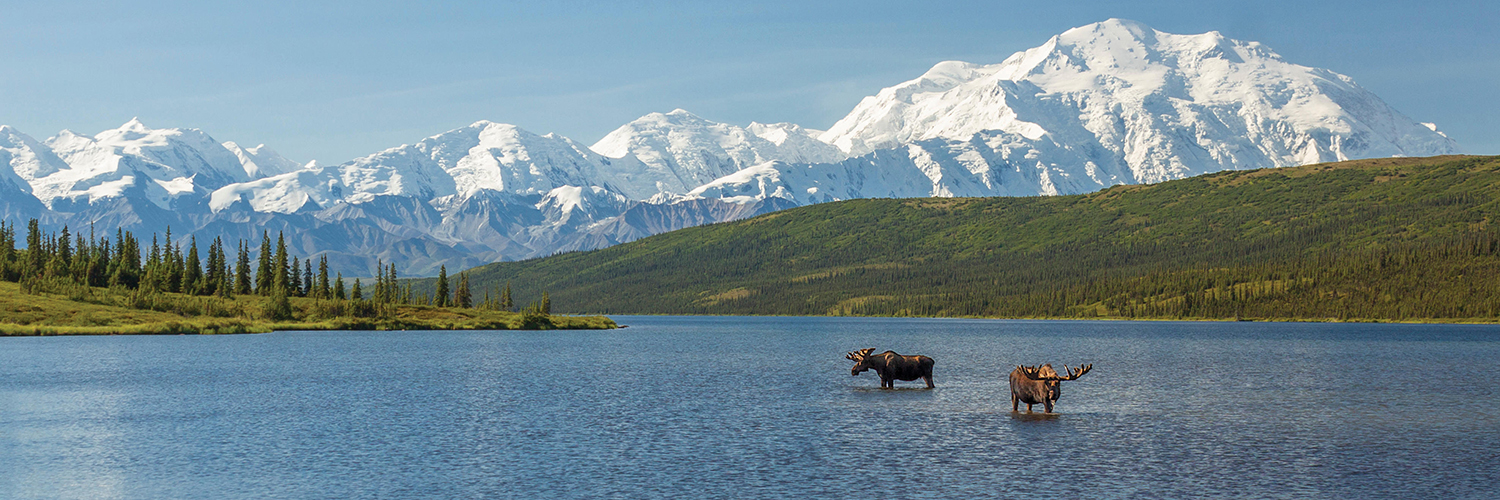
x,y
891,366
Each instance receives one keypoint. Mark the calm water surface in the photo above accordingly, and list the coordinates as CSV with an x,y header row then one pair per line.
x,y
756,407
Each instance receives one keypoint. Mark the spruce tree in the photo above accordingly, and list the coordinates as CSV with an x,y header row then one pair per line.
x,y
265,278
379,281
461,296
36,260
307,278
395,289
7,251
338,286
151,274
192,269
62,258
295,283
224,288
323,278
242,270
505,300
172,258
280,285
213,269
355,293
281,264
546,303
440,298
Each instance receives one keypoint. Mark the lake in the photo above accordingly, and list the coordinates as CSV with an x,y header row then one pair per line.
x,y
733,407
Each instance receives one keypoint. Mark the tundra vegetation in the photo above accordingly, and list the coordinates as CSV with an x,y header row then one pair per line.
x,y
1396,239
65,283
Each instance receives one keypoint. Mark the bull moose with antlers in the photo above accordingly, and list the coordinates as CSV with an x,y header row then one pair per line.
x,y
891,366
1033,385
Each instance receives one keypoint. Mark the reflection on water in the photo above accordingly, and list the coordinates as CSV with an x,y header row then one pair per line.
x,y
1024,416
756,407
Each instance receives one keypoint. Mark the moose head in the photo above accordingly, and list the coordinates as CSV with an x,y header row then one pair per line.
x,y
861,360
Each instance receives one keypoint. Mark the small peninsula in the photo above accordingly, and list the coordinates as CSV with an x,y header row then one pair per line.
x,y
101,311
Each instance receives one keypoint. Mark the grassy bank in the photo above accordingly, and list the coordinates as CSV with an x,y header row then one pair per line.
x,y
76,310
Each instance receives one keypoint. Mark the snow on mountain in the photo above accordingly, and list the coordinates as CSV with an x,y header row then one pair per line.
x,y
165,164
1157,105
261,161
681,151
22,157
482,156
991,163
285,193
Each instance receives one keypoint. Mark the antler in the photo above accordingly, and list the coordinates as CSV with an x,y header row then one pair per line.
x,y
1082,369
1031,372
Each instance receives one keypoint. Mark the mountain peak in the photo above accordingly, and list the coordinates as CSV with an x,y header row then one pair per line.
x,y
483,124
134,125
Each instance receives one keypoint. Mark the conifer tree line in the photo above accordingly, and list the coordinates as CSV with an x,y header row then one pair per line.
x,y
177,266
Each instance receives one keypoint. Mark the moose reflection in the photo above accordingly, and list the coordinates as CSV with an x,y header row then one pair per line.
x,y
1033,385
891,366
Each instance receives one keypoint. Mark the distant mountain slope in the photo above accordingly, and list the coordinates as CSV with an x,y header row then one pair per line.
x,y
682,151
1120,252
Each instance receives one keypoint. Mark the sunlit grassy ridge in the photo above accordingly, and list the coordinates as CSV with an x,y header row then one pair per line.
x,y
1384,239
77,310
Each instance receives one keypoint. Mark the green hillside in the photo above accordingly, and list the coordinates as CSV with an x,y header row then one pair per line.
x,y
1387,239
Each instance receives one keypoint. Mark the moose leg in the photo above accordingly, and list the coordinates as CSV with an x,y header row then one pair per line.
x,y
929,381
1048,404
1015,402
1028,407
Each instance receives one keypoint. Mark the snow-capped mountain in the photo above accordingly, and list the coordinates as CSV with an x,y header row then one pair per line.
x,y
162,165
681,151
1144,106
1110,103
482,156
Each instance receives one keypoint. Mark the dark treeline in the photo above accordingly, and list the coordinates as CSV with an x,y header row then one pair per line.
x,y
122,261
1452,279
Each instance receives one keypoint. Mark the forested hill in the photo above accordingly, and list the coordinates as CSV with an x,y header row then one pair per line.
x,y
1386,239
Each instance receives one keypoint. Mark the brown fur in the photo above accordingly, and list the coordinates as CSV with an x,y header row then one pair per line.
x,y
1032,385
892,367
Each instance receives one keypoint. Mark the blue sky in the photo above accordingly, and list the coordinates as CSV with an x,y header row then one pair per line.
x,y
335,80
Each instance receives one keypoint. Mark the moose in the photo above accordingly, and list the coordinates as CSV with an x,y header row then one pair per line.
x,y
891,366
1033,385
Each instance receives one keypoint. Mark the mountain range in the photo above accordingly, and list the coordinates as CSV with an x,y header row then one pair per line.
x,y
1109,103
